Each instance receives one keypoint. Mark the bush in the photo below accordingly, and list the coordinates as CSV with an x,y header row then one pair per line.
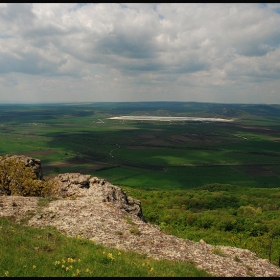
x,y
248,211
18,179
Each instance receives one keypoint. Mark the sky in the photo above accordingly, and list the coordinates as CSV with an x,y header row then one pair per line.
x,y
100,52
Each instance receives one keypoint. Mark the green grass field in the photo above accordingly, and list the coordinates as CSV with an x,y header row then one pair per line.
x,y
160,155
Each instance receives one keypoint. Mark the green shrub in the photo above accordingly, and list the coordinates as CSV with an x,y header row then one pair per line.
x,y
18,179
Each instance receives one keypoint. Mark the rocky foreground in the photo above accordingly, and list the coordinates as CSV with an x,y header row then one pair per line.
x,y
97,210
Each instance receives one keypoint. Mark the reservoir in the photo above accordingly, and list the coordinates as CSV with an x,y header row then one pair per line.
x,y
158,118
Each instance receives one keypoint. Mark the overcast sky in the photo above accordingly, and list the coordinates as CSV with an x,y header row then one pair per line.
x,y
225,53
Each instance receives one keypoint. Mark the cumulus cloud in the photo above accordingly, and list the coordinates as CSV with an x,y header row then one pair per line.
x,y
139,51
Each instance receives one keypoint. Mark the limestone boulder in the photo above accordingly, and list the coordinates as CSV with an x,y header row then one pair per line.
x,y
73,185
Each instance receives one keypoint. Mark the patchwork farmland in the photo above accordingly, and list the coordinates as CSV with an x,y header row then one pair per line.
x,y
189,150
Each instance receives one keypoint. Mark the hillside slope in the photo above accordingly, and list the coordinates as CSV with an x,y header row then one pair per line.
x,y
97,210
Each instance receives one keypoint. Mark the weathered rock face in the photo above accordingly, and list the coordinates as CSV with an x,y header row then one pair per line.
x,y
79,185
34,163
81,209
106,224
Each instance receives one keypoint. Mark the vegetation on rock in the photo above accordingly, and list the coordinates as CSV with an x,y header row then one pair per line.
x,y
18,179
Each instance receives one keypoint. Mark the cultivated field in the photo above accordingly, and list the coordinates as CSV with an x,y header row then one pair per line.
x,y
149,154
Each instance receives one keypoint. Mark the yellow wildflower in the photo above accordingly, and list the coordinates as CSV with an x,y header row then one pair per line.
x,y
70,260
110,256
34,266
119,253
151,269
6,273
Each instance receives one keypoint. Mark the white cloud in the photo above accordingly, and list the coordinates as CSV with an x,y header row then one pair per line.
x,y
139,51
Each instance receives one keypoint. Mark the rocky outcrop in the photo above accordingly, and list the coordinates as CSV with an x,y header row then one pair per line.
x,y
34,163
78,185
105,223
92,208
